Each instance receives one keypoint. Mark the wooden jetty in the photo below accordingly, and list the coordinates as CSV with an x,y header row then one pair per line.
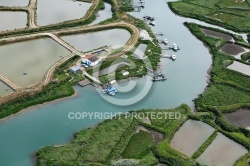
x,y
173,57
159,33
84,83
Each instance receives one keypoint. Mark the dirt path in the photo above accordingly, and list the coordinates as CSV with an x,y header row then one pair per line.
x,y
32,14
54,34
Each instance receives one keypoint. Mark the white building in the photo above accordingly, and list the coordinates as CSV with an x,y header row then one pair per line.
x,y
90,60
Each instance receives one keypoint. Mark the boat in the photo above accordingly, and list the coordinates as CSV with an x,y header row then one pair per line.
x,y
173,57
159,77
110,90
152,23
175,47
165,41
149,18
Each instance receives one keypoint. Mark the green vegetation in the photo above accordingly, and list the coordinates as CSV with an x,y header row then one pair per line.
x,y
244,160
231,14
245,56
138,70
91,146
228,90
204,146
168,155
116,141
113,140
222,94
126,6
233,4
140,67
138,146
62,88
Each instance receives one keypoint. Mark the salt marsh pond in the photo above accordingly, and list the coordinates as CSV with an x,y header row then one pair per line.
x,y
55,11
89,41
195,134
222,151
5,89
12,20
14,2
33,57
240,67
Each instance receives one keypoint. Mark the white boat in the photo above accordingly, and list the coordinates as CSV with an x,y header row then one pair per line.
x,y
175,47
173,57
165,41
159,77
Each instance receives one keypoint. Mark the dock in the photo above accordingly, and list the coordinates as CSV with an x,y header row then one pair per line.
x,y
159,33
165,56
84,83
166,48
173,57
93,79
171,48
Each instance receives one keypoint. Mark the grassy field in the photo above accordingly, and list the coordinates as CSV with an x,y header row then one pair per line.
x,y
138,146
93,145
116,142
221,95
245,56
233,4
228,91
232,14
227,87
244,160
170,156
112,141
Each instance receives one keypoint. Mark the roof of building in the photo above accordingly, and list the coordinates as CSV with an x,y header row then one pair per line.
x,y
75,68
92,57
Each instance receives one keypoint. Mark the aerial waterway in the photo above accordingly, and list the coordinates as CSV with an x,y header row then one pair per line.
x,y
46,125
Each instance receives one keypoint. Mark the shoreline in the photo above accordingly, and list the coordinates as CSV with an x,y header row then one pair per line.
x,y
54,101
38,106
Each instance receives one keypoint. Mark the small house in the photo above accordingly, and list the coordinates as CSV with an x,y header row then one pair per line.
x,y
75,69
90,60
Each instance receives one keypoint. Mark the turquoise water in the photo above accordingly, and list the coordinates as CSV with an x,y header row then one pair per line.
x,y
22,135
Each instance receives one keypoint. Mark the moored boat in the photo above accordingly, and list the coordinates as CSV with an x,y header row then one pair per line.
x,y
159,77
